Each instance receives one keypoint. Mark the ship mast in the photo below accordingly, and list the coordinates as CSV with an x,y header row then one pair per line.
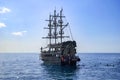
x,y
62,26
55,22
61,22
55,25
50,30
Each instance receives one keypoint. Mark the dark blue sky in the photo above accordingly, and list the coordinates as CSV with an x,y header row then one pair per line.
x,y
95,24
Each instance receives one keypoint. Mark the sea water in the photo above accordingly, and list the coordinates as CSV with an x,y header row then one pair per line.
x,y
27,66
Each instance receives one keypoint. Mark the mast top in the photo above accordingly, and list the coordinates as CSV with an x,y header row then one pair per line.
x,y
56,27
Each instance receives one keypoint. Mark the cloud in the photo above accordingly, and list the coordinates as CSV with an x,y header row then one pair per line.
x,y
20,33
4,10
2,25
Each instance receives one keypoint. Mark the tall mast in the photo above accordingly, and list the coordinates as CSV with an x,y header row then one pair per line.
x,y
50,29
61,22
55,21
62,26
55,25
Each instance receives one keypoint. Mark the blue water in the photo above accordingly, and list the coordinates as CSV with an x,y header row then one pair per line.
x,y
29,67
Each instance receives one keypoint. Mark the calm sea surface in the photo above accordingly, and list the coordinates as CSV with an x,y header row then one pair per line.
x,y
29,67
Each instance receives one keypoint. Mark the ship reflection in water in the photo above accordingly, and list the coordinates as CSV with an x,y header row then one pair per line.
x,y
56,72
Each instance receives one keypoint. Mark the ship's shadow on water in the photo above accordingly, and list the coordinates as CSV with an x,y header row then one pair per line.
x,y
58,72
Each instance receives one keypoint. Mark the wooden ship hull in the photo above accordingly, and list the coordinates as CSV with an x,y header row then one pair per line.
x,y
59,60
64,56
58,51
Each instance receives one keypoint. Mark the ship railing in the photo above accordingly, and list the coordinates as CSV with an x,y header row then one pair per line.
x,y
54,45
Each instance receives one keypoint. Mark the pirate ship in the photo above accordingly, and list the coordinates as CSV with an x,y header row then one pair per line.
x,y
58,50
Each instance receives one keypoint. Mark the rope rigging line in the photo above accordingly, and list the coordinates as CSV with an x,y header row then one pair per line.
x,y
69,30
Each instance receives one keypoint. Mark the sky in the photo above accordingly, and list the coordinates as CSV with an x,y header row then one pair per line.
x,y
95,24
